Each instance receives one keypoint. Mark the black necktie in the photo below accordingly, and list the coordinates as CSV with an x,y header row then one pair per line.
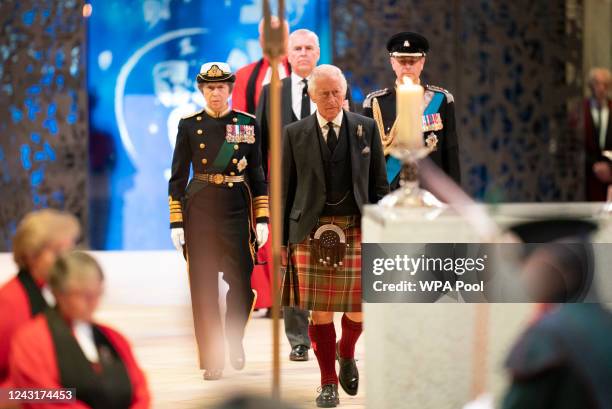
x,y
305,110
332,139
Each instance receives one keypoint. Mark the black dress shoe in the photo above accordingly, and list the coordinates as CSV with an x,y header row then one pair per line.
x,y
348,375
328,398
236,356
212,374
299,353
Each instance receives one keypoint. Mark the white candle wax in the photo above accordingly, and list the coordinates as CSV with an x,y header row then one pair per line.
x,y
410,115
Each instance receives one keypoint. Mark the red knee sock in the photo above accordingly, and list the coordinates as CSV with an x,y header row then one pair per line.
x,y
350,334
323,339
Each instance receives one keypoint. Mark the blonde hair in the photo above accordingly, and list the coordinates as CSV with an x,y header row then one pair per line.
x,y
40,228
76,264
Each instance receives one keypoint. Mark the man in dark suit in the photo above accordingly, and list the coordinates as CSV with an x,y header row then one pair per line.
x,y
248,86
597,125
303,54
339,159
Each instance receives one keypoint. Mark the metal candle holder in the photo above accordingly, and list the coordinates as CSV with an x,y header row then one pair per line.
x,y
410,194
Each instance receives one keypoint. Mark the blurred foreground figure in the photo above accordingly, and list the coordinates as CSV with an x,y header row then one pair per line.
x,y
564,359
220,217
64,348
40,238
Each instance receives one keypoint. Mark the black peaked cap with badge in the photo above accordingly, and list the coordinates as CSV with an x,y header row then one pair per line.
x,y
439,131
407,44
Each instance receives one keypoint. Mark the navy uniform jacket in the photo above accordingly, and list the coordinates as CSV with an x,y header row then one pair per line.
x,y
441,123
563,361
202,138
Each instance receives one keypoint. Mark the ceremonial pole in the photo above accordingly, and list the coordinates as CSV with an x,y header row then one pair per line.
x,y
274,41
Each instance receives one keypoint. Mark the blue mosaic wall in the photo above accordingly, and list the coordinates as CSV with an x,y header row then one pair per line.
x,y
43,120
513,67
143,56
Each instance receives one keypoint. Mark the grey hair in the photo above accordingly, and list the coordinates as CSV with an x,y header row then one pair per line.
x,y
604,72
325,71
75,264
304,31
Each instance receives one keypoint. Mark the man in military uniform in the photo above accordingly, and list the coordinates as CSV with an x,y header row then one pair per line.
x,y
218,220
407,52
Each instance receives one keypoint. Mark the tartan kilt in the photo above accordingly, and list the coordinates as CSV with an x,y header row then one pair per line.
x,y
309,285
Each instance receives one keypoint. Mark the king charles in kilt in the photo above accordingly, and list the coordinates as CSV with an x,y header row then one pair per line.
x,y
218,219
339,159
407,53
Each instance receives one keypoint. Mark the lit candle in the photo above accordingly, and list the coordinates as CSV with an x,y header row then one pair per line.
x,y
410,115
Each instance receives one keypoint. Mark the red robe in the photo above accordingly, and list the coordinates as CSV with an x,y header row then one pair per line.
x,y
15,311
261,277
33,364
239,94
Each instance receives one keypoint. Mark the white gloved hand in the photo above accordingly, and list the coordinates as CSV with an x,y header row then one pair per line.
x,y
262,234
177,235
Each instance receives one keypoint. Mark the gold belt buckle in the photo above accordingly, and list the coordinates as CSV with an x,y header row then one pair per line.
x,y
217,179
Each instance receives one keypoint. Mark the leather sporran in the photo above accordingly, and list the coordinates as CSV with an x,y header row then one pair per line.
x,y
329,246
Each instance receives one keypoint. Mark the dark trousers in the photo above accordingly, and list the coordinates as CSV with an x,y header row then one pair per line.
x,y
217,236
296,326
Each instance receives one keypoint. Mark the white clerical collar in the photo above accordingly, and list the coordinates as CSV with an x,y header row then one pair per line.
x,y
83,332
217,114
48,295
337,121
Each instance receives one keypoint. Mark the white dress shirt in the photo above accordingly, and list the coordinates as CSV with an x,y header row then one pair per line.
x,y
323,124
297,86
601,121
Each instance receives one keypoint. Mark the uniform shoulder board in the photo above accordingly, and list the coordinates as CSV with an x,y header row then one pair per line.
x,y
367,102
245,113
449,96
192,114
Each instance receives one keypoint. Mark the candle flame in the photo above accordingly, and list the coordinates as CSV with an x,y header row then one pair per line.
x,y
407,80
